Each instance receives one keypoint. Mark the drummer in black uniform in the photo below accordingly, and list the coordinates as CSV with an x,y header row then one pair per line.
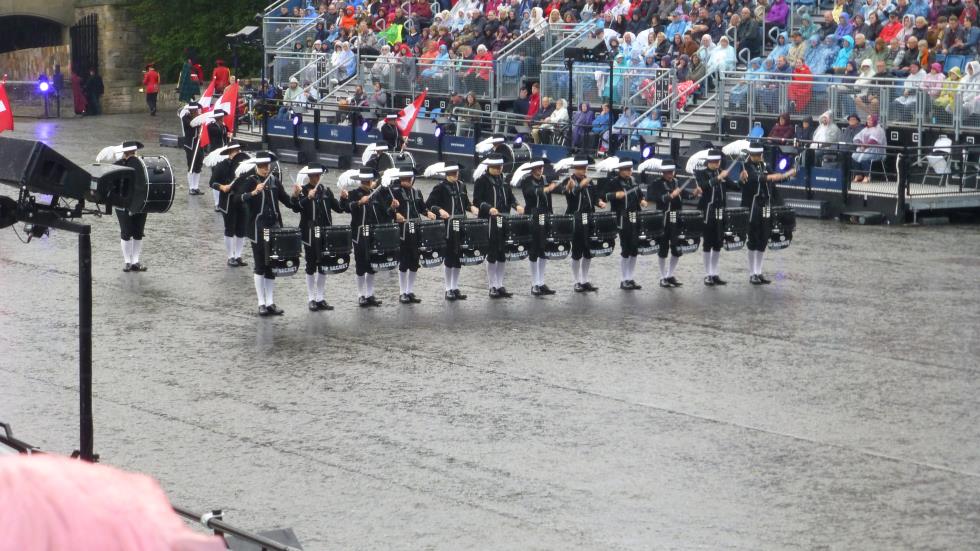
x,y
131,224
494,197
261,193
449,200
625,196
391,134
190,145
232,210
666,193
537,201
758,195
374,162
581,197
411,206
711,188
367,207
217,138
315,202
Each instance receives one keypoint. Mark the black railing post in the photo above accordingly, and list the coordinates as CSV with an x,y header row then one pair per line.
x,y
86,430
845,182
316,128
902,163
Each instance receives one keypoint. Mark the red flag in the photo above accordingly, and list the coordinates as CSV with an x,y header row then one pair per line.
x,y
6,115
205,138
406,117
205,100
229,102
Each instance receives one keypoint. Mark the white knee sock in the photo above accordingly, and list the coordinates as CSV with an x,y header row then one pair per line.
x,y
624,268
533,268
239,246
758,261
369,284
447,277
542,262
190,180
215,192
492,275
673,265
361,285
270,291
411,281
662,262
137,248
259,288
586,263
751,262
501,266
455,275
311,287
321,286
576,271
127,255
403,283
230,246
632,267
715,260
707,263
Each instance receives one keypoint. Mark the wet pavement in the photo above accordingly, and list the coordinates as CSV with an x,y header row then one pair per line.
x,y
835,409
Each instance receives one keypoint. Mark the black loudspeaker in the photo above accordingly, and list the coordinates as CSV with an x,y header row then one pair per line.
x,y
291,156
590,49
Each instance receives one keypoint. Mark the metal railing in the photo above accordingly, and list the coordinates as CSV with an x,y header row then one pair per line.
x,y
564,36
590,83
702,89
289,64
520,61
220,528
301,29
409,76
651,92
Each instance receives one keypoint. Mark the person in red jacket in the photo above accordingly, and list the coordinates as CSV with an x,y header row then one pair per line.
x,y
534,101
221,76
151,85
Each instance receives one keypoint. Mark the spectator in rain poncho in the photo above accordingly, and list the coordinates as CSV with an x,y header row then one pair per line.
x,y
816,57
843,54
628,45
776,16
621,128
740,91
970,88
707,47
933,82
808,28
844,27
826,132
870,141
600,126
648,126
439,64
382,66
947,96
801,88
678,26
781,47
723,58
581,125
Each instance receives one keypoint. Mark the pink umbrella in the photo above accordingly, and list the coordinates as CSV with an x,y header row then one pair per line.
x,y
52,502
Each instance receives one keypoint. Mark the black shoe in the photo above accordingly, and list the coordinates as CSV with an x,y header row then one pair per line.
x,y
404,299
373,301
216,209
322,305
590,287
415,299
263,311
232,263
718,280
763,279
673,281
625,285
128,267
450,296
137,267
754,280
241,262
313,306
275,310
665,283
709,281
459,296
536,290
494,292
363,302
635,285
504,292
547,290
579,288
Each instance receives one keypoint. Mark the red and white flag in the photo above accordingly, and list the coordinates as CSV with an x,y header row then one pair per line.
x,y
407,116
229,103
205,100
6,115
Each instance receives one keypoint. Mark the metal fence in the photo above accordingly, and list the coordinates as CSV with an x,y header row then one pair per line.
x,y
639,87
280,33
27,100
287,65
409,76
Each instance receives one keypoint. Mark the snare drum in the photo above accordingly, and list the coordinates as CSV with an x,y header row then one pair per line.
x,y
782,223
558,231
394,159
282,248
687,227
333,247
153,188
602,230
431,236
734,228
649,228
517,234
383,246
474,239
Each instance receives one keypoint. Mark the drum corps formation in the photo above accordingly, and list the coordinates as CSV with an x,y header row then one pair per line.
x,y
393,226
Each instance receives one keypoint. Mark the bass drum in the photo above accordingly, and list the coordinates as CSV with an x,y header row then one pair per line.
x,y
390,159
333,247
687,226
154,187
283,248
782,224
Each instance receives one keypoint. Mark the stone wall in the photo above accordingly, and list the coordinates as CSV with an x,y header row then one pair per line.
x,y
121,55
27,65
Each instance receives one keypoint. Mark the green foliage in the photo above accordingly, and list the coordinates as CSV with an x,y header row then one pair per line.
x,y
173,27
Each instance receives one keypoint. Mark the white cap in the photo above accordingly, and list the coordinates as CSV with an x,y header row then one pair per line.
x,y
365,175
406,174
310,170
497,139
535,164
493,162
625,164
450,168
713,157
667,168
754,149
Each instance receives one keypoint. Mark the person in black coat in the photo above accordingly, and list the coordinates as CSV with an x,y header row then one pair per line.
x,y
368,205
581,197
391,134
626,198
131,224
217,138
666,193
712,185
758,195
232,210
537,204
189,143
262,192
411,207
93,89
316,203
494,198
448,199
